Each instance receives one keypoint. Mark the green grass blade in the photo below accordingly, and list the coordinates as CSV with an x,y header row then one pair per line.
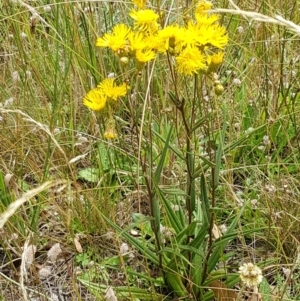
x,y
205,202
174,218
219,153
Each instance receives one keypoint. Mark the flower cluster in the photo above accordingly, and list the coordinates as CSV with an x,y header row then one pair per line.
x,y
193,45
250,274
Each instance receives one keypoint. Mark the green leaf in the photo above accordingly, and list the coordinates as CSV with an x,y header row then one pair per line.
x,y
188,231
160,165
89,174
5,197
175,281
205,202
171,147
219,153
176,219
265,290
143,223
106,155
99,290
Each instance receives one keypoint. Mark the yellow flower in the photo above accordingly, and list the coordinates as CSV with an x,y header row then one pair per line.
x,y
208,35
117,40
168,37
145,20
139,3
137,41
95,99
186,38
144,56
190,61
153,42
112,91
217,35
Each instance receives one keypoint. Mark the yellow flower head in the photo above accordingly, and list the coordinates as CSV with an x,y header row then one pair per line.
x,y
153,42
139,3
168,37
95,99
217,36
190,61
209,35
186,38
145,20
144,56
111,90
117,40
137,41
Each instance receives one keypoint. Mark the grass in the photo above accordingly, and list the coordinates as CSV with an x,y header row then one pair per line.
x,y
104,201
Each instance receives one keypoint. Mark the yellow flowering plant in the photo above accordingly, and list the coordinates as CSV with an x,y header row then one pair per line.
x,y
192,47
190,53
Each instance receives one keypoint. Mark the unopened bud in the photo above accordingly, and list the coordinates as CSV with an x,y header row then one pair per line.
x,y
124,60
219,89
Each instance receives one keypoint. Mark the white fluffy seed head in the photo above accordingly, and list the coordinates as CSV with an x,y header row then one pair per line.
x,y
54,252
45,272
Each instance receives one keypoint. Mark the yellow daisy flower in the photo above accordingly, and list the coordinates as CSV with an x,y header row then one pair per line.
x,y
144,56
186,38
111,90
153,42
145,20
208,35
137,41
95,99
168,37
117,40
216,35
190,61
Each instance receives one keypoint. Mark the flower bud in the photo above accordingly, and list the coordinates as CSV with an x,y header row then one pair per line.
x,y
124,60
219,89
